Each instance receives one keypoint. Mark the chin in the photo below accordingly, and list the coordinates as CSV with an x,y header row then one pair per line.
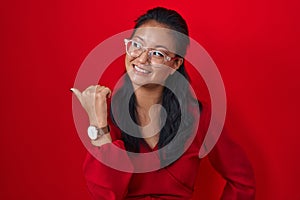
x,y
137,80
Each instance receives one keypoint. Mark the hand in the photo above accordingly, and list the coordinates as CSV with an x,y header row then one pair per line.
x,y
94,100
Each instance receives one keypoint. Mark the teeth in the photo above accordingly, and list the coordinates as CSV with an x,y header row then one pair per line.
x,y
141,70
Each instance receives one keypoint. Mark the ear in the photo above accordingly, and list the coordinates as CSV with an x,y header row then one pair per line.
x,y
177,63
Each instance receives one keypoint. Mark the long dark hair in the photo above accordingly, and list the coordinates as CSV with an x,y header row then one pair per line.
x,y
177,123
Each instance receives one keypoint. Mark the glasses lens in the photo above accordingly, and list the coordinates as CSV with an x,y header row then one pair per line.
x,y
157,56
134,49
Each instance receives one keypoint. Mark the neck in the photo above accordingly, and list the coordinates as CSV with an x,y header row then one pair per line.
x,y
148,96
145,98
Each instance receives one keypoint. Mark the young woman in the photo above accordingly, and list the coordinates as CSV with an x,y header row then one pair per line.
x,y
155,75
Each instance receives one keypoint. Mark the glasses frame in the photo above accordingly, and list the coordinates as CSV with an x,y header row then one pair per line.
x,y
150,51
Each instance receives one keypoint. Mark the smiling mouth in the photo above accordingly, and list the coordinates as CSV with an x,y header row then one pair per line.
x,y
138,69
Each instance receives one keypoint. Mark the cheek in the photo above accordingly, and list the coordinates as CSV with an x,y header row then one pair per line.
x,y
163,73
128,63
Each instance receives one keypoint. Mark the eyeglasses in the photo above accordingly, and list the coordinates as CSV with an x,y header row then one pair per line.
x,y
135,49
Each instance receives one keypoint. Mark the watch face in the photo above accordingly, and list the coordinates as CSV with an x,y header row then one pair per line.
x,y
92,132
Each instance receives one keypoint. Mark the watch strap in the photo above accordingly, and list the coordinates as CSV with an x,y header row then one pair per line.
x,y
103,130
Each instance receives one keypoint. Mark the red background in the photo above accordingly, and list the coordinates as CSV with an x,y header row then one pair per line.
x,y
43,43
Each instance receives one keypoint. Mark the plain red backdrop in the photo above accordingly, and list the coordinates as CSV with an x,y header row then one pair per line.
x,y
43,43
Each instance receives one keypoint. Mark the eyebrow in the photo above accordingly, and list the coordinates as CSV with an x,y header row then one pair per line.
x,y
157,46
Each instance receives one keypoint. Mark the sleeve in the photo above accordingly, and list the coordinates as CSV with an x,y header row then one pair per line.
x,y
229,159
105,182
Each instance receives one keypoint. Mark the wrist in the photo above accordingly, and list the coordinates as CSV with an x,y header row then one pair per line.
x,y
102,140
102,124
97,123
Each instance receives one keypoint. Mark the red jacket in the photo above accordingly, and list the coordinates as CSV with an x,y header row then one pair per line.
x,y
175,181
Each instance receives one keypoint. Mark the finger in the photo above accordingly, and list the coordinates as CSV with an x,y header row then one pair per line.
x,y
99,88
91,89
106,91
77,93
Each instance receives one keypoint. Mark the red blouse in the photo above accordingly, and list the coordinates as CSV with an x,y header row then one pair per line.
x,y
175,181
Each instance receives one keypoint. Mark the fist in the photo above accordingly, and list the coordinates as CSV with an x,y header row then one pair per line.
x,y
94,101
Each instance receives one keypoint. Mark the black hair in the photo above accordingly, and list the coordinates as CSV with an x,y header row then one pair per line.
x,y
177,123
172,20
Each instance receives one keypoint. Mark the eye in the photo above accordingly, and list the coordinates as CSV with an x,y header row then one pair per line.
x,y
157,54
136,45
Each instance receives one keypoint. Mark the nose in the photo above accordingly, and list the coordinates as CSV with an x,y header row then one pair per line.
x,y
144,57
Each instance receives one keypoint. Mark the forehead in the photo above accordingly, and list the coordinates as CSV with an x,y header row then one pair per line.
x,y
156,35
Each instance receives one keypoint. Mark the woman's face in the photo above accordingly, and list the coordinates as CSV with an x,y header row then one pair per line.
x,y
144,71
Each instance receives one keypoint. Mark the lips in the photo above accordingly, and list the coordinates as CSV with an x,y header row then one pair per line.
x,y
141,70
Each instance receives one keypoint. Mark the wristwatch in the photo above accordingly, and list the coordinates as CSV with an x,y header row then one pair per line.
x,y
94,132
